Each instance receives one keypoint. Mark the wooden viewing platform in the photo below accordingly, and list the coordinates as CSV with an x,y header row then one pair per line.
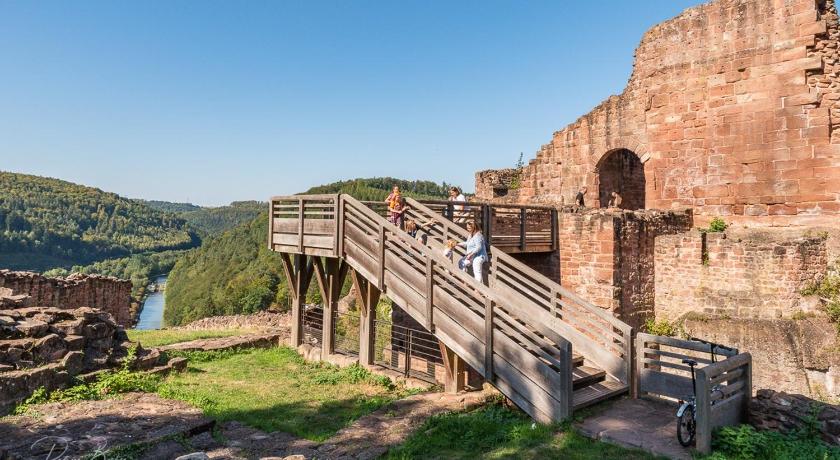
x,y
544,347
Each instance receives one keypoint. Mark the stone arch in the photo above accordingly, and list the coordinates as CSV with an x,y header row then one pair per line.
x,y
621,170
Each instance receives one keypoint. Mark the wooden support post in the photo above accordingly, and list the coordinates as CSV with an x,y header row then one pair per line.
x,y
454,369
554,229
522,216
298,274
339,226
486,216
489,374
704,412
301,216
381,274
367,295
566,391
271,225
330,275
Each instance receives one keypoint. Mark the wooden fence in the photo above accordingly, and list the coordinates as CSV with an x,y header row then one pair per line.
x,y
509,227
723,387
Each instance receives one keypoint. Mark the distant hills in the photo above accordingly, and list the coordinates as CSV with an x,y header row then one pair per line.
x,y
47,223
236,273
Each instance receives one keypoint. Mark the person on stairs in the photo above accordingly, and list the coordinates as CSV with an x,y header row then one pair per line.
x,y
476,252
396,207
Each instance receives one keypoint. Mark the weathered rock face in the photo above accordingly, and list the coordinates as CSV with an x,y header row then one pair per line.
x,y
46,347
771,410
797,356
105,293
732,109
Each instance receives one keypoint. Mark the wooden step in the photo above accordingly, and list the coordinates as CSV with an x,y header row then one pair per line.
x,y
584,376
598,392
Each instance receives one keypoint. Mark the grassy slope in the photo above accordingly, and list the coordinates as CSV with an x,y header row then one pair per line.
x,y
160,337
275,389
496,432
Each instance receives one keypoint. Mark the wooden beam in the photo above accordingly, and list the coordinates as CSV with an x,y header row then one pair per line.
x,y
522,216
299,275
330,275
453,366
367,295
430,273
488,340
301,217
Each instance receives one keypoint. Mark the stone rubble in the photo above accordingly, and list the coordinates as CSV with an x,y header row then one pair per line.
x,y
47,347
778,411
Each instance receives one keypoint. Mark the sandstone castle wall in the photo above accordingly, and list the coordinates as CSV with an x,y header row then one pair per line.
x,y
732,109
104,293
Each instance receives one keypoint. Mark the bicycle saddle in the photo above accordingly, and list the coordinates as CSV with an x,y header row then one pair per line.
x,y
690,362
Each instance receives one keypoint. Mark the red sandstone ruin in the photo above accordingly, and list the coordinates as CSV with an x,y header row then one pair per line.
x,y
732,110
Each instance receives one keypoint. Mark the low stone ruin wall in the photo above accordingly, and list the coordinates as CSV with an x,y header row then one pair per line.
x,y
47,347
105,293
771,410
739,273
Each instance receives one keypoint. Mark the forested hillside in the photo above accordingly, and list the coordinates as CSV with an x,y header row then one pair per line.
x,y
378,188
233,273
236,273
213,221
47,223
168,206
210,221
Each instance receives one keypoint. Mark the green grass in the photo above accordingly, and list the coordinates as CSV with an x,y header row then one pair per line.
x,y
496,432
275,389
160,337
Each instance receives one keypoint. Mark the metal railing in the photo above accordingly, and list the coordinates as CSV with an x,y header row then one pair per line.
x,y
411,351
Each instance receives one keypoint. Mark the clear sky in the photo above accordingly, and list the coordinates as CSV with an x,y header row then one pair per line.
x,y
214,101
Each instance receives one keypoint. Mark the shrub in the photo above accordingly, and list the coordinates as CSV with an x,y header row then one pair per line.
x,y
663,327
744,442
717,225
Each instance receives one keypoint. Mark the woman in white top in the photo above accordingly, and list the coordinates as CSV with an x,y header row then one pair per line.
x,y
456,196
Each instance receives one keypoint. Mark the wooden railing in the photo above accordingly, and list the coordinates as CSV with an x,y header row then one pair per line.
x,y
305,222
553,311
510,227
487,328
724,390
723,387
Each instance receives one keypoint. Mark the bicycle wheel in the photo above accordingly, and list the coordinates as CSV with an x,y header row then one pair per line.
x,y
686,427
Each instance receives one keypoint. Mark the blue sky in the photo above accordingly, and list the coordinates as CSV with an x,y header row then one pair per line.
x,y
212,101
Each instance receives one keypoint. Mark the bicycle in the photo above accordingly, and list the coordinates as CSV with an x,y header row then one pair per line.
x,y
687,413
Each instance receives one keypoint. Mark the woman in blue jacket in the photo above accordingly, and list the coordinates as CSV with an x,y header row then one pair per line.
x,y
476,251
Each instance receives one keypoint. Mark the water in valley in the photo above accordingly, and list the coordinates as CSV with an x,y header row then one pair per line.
x,y
151,316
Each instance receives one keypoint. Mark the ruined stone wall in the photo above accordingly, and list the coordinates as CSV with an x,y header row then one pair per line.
x,y
732,108
588,247
738,274
105,293
608,257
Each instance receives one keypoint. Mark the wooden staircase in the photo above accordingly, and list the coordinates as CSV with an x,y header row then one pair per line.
x,y
518,331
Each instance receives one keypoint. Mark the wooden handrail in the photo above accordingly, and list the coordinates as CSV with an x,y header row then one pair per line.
x,y
501,259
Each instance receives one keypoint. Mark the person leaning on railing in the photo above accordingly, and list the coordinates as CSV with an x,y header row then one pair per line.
x,y
476,251
456,196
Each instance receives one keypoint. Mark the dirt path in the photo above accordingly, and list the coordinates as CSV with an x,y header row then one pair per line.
x,y
172,428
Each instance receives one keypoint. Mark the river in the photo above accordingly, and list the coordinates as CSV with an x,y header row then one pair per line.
x,y
151,316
